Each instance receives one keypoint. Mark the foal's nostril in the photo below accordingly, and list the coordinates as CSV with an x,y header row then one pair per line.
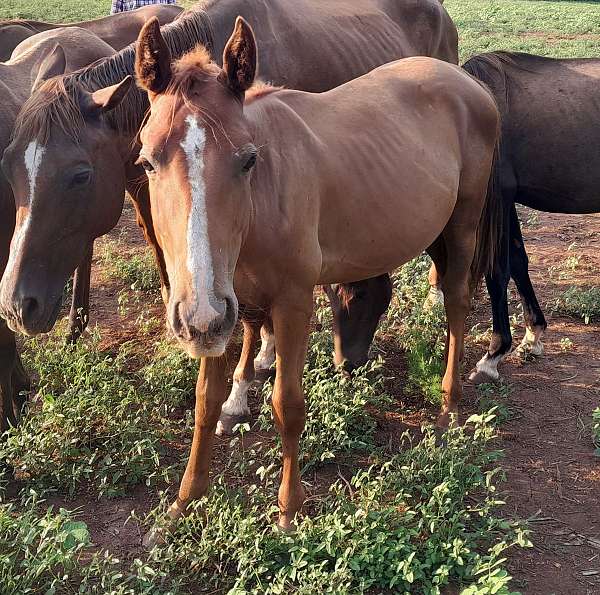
x,y
29,308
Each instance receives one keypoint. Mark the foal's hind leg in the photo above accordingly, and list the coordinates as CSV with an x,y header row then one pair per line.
x,y
519,270
235,410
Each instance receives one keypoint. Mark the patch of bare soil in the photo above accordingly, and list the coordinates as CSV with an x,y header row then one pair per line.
x,y
553,478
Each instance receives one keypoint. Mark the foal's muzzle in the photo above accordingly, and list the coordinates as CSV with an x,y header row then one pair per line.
x,y
206,333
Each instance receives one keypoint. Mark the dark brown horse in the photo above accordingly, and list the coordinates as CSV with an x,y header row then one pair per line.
x,y
56,52
549,161
260,194
316,47
117,30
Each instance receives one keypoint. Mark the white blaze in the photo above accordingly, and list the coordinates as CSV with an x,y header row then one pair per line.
x,y
199,257
33,159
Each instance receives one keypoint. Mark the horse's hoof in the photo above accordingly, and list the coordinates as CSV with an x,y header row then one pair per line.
x,y
227,422
527,350
285,526
482,377
157,536
261,375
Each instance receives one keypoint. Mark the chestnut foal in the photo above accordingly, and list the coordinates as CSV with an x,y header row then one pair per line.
x,y
258,194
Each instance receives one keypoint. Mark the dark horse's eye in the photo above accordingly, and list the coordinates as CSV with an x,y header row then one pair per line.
x,y
81,178
146,165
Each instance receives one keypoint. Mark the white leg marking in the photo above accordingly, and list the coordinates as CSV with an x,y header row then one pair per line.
x,y
33,159
435,297
266,356
531,343
199,257
237,402
487,367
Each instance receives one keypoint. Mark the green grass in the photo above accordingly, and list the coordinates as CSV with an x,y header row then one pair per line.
x,y
536,26
580,302
596,429
137,270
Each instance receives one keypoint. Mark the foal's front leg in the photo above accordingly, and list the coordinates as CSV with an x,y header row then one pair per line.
x,y
291,323
211,391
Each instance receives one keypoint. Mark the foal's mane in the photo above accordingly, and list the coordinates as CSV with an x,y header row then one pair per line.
x,y
58,100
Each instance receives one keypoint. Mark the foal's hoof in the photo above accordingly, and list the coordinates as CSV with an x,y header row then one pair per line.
x,y
261,375
527,350
482,377
227,422
285,525
446,419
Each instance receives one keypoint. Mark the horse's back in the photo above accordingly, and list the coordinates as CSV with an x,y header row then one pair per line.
x,y
333,42
392,149
550,113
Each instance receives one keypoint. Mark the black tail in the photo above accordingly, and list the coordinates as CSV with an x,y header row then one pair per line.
x,y
491,223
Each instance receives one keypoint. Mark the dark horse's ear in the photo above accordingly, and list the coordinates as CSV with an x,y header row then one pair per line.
x,y
54,64
104,100
240,58
152,59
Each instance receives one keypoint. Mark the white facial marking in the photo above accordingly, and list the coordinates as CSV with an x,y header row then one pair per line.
x,y
266,356
199,257
33,159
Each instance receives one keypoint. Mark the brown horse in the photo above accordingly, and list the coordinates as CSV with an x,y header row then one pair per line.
x,y
56,52
319,45
117,30
259,194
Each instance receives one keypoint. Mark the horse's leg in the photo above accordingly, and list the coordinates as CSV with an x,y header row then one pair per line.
x,y
9,406
437,252
266,356
291,323
519,271
211,391
80,304
486,369
457,297
235,410
436,295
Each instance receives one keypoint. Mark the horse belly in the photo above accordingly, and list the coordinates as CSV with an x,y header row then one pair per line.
x,y
383,235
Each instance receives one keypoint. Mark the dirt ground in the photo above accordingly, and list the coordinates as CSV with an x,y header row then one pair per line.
x,y
553,477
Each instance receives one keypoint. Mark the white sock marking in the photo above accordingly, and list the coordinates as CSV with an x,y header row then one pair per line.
x,y
199,257
237,402
489,366
266,356
531,344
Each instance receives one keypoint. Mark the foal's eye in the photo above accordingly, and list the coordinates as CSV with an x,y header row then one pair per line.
x,y
250,163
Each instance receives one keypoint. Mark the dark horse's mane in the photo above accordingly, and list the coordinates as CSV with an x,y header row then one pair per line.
x,y
20,23
58,101
493,68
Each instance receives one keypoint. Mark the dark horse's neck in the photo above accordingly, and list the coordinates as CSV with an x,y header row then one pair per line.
x,y
192,28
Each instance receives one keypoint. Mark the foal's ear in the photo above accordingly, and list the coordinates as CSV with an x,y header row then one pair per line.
x,y
240,58
152,59
108,98
54,64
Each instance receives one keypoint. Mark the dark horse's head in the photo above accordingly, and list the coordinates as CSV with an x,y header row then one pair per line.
x,y
357,308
